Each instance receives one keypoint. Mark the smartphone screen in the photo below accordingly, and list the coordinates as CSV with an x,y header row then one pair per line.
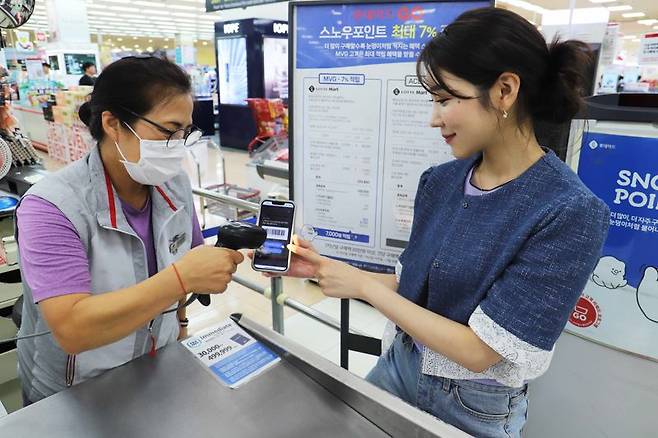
x,y
277,218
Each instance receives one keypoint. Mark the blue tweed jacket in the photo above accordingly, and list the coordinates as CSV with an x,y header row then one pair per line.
x,y
523,252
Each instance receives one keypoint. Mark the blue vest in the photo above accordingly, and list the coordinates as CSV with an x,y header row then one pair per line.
x,y
523,252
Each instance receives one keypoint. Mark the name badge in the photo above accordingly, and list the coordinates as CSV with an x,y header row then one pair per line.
x,y
175,242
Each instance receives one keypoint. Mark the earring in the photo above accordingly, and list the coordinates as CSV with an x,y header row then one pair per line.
x,y
505,114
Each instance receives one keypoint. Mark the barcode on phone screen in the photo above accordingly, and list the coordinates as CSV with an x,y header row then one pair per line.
x,y
277,233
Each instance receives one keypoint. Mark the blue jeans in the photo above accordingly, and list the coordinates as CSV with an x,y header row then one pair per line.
x,y
479,409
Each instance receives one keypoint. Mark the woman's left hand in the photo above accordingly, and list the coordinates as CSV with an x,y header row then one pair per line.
x,y
336,279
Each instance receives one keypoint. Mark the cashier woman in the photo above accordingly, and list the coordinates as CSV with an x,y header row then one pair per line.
x,y
112,241
503,238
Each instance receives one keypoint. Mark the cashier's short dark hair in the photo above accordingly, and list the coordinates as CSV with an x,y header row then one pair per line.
x,y
134,83
482,44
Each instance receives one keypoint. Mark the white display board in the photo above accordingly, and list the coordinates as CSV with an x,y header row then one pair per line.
x,y
360,134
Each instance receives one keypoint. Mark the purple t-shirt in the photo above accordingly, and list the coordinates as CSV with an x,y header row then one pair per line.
x,y
53,259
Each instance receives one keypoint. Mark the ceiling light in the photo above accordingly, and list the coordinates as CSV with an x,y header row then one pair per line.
x,y
633,14
602,1
123,9
183,7
159,18
655,27
619,8
205,43
117,1
636,40
149,4
165,47
101,14
524,5
119,39
648,22
156,11
629,37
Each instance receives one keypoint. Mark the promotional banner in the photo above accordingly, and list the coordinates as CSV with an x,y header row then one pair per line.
x,y
361,134
23,42
610,45
648,49
619,306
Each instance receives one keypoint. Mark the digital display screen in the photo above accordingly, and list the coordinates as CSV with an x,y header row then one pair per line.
x,y
74,62
275,60
232,70
277,219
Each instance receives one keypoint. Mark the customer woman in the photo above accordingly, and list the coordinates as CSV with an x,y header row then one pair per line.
x,y
106,243
503,238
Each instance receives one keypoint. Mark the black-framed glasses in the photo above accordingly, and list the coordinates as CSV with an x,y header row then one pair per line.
x,y
190,135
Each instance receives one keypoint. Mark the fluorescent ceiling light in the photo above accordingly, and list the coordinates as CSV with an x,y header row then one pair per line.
x,y
182,14
123,9
648,22
636,40
159,18
602,1
102,13
149,4
184,8
619,8
633,14
524,5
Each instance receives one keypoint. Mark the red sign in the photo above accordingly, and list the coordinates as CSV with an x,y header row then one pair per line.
x,y
586,313
41,37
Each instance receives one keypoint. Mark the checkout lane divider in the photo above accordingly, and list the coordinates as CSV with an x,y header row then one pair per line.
x,y
285,300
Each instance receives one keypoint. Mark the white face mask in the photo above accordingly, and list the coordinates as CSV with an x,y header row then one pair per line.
x,y
157,163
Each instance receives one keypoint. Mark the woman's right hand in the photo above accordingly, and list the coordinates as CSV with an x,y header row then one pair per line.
x,y
299,267
207,269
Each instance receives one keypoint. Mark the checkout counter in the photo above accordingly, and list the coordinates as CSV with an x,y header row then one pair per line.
x,y
173,394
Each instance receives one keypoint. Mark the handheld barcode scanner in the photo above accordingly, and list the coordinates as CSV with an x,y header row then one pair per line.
x,y
237,235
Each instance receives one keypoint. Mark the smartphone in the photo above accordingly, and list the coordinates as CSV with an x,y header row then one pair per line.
x,y
278,219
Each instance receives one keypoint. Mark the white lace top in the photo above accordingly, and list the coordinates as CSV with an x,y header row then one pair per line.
x,y
521,361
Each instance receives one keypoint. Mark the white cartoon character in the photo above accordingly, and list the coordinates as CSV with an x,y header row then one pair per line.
x,y
647,293
610,273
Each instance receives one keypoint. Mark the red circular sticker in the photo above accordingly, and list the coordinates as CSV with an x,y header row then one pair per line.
x,y
585,313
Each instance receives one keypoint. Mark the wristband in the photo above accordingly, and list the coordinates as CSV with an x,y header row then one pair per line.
x,y
180,280
184,322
